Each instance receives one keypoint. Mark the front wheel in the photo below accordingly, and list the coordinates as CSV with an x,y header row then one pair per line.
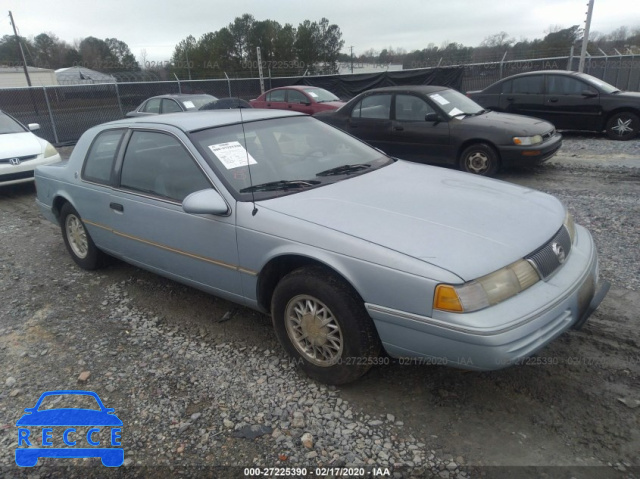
x,y
320,321
479,159
623,126
77,240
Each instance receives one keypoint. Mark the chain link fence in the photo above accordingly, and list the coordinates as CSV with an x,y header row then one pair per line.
x,y
64,112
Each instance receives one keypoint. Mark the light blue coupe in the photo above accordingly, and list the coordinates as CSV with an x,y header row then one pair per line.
x,y
351,251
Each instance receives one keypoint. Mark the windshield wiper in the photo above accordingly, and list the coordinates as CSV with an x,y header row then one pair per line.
x,y
280,185
344,169
461,114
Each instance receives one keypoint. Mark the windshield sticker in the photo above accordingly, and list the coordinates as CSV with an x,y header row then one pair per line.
x,y
439,98
232,155
313,94
455,112
189,104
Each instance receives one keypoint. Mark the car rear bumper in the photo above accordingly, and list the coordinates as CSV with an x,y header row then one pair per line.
x,y
530,155
520,326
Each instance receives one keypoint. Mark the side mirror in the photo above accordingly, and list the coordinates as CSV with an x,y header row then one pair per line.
x,y
33,126
205,202
432,117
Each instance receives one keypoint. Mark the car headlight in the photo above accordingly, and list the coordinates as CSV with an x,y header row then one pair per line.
x,y
527,140
570,225
487,290
49,150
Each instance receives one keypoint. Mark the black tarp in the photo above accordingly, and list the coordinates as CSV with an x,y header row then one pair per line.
x,y
348,86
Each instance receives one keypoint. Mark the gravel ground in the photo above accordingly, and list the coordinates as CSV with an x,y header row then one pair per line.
x,y
202,385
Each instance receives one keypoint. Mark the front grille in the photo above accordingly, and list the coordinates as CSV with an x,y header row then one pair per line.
x,y
544,259
22,159
548,135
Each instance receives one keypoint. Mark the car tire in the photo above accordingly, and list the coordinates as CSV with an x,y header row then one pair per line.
x,y
623,126
322,323
78,241
480,159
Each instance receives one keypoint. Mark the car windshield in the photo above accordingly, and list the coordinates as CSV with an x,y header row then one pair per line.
x,y
455,104
197,101
9,125
284,155
321,95
602,85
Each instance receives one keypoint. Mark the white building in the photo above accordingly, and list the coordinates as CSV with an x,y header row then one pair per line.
x,y
11,77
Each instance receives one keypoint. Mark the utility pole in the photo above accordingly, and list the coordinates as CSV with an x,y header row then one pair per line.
x,y
24,62
585,38
351,59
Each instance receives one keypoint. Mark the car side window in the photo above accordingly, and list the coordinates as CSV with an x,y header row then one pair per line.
x,y
411,108
506,87
152,106
528,84
158,164
170,106
373,106
99,161
297,97
276,95
561,85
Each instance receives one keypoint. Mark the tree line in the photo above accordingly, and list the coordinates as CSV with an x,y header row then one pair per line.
x,y
313,47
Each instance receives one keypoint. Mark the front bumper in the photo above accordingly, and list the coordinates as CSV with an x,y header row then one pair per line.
x,y
530,155
24,172
501,335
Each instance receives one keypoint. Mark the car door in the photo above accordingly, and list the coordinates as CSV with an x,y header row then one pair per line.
x,y
277,99
524,96
370,120
572,103
298,101
156,173
415,138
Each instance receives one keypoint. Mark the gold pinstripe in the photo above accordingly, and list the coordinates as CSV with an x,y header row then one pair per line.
x,y
174,250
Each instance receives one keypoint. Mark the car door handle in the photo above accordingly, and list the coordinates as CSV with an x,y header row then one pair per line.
x,y
510,98
398,128
553,100
116,206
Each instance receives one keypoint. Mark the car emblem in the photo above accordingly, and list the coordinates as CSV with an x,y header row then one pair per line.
x,y
558,250
15,161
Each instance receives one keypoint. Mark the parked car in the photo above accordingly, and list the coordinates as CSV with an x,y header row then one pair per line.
x,y
171,104
569,100
349,250
226,104
434,124
305,99
21,151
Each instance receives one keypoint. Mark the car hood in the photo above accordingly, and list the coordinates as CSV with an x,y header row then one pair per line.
x,y
466,224
14,145
333,104
69,417
627,95
516,123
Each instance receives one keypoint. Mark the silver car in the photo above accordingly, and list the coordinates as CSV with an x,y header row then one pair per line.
x,y
351,252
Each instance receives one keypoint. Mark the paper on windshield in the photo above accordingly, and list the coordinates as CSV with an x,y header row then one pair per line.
x,y
439,98
232,155
455,112
188,104
313,94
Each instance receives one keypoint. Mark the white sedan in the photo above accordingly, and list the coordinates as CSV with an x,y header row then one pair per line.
x,y
21,151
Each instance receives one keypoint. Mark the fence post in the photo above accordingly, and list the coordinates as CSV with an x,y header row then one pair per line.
x,y
502,62
53,123
570,62
178,80
118,96
229,84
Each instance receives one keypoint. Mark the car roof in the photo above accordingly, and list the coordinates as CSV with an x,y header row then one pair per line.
x,y
410,88
297,87
199,120
179,96
543,72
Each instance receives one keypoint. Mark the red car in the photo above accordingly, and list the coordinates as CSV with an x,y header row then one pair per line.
x,y
305,99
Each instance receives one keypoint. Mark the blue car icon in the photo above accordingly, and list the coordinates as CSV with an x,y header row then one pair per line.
x,y
71,418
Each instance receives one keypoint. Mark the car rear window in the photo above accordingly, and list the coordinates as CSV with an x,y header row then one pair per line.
x,y
99,161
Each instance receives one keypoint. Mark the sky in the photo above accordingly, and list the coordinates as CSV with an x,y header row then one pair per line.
x,y
157,26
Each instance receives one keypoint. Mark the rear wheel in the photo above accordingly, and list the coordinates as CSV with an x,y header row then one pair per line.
x,y
77,240
322,323
479,159
623,126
